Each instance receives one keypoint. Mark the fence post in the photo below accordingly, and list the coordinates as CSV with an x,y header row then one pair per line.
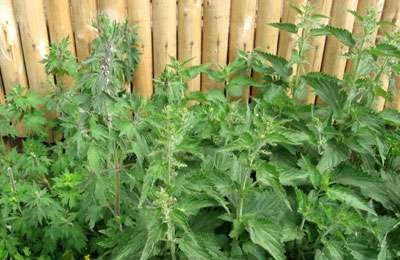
x,y
139,14
115,9
241,37
334,62
164,33
189,36
315,54
288,40
215,38
83,14
60,26
11,58
32,24
269,11
391,12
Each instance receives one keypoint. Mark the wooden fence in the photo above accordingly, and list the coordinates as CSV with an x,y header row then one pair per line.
x,y
209,31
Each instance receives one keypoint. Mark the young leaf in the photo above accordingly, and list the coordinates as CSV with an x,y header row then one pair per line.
x,y
266,235
350,198
288,27
343,35
327,88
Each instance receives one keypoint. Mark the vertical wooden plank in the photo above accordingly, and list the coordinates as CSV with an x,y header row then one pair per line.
x,y
164,33
333,62
215,37
35,43
362,8
395,103
115,9
189,36
139,14
60,26
391,13
315,54
241,37
83,12
269,11
11,58
287,41
59,21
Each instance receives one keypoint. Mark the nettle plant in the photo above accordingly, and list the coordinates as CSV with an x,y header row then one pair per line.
x,y
199,175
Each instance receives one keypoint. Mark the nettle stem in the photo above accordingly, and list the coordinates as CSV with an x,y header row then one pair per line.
x,y
117,202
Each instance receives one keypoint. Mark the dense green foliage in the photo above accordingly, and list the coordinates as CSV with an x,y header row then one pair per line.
x,y
197,175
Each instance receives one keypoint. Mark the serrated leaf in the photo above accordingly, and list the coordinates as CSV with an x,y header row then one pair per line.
x,y
350,198
193,71
333,155
391,116
343,35
94,157
288,27
154,235
279,64
327,88
385,50
266,235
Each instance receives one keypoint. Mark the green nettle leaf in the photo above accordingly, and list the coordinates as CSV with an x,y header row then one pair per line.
x,y
332,251
332,156
343,35
350,198
267,236
279,64
288,27
155,233
94,157
327,88
385,50
390,116
192,249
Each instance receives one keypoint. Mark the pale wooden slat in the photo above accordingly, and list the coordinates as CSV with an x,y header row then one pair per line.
x,y
287,41
164,33
60,26
333,62
59,21
11,59
83,13
315,54
391,13
139,14
189,36
395,103
115,9
215,37
269,11
35,43
241,35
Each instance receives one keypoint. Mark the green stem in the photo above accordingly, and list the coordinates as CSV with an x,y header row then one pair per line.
x,y
117,202
171,239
